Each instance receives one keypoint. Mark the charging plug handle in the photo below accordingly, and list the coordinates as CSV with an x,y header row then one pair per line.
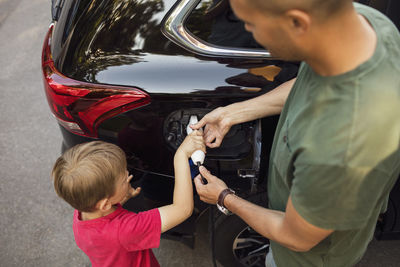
x,y
197,156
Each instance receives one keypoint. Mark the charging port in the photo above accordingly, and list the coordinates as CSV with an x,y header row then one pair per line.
x,y
237,143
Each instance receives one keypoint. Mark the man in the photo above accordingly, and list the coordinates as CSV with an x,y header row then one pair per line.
x,y
336,152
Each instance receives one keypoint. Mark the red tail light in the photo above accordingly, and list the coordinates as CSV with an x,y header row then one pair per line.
x,y
80,106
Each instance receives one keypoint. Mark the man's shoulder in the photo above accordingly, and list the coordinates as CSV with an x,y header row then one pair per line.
x,y
364,9
379,21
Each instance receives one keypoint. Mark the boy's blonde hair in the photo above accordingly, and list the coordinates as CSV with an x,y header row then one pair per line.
x,y
87,173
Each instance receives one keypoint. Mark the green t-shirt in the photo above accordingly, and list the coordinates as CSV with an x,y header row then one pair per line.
x,y
336,151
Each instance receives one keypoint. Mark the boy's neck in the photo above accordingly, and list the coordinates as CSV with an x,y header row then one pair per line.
x,y
85,216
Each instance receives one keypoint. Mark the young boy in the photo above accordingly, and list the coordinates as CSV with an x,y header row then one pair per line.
x,y
93,178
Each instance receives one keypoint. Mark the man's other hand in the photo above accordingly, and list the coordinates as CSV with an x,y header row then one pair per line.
x,y
217,125
209,192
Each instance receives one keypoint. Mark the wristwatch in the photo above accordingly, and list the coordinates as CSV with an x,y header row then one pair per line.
x,y
221,198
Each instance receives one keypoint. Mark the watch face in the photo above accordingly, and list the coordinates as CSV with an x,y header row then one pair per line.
x,y
223,209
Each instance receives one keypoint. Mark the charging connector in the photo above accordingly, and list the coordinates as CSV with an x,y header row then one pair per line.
x,y
198,156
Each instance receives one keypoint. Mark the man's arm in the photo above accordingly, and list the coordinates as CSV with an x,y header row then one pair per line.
x,y
287,228
218,122
262,106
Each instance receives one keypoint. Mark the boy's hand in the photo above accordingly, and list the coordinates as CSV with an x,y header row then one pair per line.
x,y
132,192
192,142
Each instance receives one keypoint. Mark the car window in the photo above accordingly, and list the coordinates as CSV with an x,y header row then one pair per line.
x,y
214,22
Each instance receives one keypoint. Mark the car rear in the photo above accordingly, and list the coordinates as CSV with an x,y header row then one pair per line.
x,y
110,74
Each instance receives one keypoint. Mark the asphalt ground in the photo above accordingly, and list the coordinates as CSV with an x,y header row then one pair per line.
x,y
35,225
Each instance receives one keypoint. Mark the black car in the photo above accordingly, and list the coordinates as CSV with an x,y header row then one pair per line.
x,y
133,72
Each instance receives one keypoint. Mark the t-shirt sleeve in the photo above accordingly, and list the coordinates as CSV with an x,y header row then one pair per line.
x,y
140,231
337,197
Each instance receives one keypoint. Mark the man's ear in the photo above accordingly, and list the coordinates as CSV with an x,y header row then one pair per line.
x,y
104,204
299,21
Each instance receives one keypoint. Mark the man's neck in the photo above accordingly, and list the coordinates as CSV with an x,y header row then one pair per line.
x,y
343,46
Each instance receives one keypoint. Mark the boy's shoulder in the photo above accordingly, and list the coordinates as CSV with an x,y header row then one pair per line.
x,y
121,229
113,217
120,215
137,219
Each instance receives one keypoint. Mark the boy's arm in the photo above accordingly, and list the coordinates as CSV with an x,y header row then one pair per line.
x,y
182,206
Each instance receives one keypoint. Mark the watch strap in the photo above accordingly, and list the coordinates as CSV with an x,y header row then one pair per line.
x,y
222,196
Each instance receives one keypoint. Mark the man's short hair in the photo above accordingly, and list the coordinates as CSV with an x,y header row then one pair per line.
x,y
321,7
87,173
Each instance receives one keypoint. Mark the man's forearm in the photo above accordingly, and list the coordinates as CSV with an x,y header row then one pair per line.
x,y
267,222
265,105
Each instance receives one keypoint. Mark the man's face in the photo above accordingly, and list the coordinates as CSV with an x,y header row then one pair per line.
x,y
267,30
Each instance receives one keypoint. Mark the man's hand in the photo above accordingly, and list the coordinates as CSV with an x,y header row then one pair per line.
x,y
217,126
209,192
192,142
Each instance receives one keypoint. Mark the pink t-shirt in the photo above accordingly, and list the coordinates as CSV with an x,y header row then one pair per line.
x,y
122,238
